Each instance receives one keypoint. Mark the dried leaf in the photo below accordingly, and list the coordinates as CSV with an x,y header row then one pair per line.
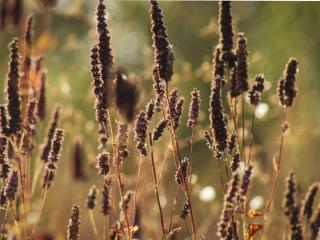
x,y
253,213
253,229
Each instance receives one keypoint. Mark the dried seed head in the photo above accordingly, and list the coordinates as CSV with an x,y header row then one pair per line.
x,y
235,163
228,206
307,207
73,232
290,199
208,139
217,122
105,52
3,199
178,110
11,187
194,108
103,163
49,174
295,224
4,162
256,90
106,197
140,130
226,31
122,142
158,131
50,133
78,160
315,224
124,205
13,96
233,143
185,211
31,117
126,96
173,99
159,88
97,86
239,81
3,149
163,54
150,110
182,171
29,125
91,199
287,90
42,109
56,145
218,67
4,120
245,184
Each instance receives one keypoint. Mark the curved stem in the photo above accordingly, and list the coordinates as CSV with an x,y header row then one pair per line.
x,y
93,223
252,132
155,186
275,181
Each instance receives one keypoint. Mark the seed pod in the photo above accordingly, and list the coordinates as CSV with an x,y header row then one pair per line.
x,y
73,232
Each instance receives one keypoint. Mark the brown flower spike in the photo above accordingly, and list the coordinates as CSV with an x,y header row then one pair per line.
x,y
163,54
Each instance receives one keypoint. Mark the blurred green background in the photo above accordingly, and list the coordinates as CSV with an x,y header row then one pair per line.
x,y
275,32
